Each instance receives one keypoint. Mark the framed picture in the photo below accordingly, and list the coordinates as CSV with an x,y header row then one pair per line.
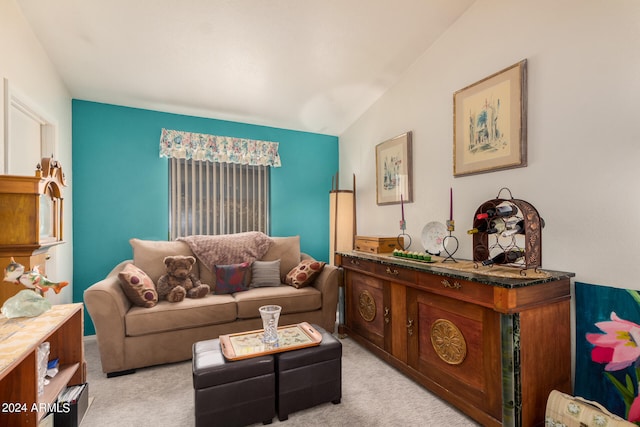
x,y
490,123
393,170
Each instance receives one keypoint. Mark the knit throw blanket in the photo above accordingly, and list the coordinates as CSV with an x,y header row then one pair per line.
x,y
228,248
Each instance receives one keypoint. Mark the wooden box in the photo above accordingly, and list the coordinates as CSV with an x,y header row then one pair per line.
x,y
376,244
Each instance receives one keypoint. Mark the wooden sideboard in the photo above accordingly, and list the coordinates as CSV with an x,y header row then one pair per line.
x,y
494,347
62,327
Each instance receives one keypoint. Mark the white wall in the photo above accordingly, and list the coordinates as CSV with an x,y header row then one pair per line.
x,y
30,72
583,139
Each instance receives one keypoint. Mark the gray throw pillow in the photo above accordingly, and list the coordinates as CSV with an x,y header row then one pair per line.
x,y
265,273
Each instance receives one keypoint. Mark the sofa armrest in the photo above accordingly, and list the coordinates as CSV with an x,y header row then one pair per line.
x,y
107,305
327,280
327,283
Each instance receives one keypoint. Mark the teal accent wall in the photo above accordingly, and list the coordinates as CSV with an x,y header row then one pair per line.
x,y
120,184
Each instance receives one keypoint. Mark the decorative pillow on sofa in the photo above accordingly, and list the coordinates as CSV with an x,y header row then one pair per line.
x,y
138,287
231,278
304,273
265,273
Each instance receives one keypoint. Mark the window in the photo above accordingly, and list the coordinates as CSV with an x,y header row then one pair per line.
x,y
217,184
217,198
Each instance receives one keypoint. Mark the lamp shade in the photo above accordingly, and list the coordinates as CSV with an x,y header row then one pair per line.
x,y
342,223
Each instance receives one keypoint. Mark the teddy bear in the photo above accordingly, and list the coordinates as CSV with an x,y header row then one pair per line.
x,y
179,282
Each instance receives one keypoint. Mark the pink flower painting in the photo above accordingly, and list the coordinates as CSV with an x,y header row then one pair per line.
x,y
618,347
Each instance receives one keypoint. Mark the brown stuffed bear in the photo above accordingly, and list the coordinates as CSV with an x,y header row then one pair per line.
x,y
179,282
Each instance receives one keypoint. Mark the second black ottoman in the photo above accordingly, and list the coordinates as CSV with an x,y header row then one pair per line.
x,y
309,377
231,393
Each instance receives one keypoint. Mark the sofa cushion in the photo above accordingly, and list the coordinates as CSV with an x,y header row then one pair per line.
x,y
265,273
304,273
232,278
291,300
138,287
187,314
148,255
287,250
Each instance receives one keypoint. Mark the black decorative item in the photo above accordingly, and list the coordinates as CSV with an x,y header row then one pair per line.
x,y
402,237
451,226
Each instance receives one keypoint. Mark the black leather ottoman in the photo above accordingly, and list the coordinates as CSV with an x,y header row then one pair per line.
x,y
234,393
310,376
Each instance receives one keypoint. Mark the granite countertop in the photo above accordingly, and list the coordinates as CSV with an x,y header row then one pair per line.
x,y
502,276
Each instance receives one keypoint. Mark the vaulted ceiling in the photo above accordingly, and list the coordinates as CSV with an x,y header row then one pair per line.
x,y
311,65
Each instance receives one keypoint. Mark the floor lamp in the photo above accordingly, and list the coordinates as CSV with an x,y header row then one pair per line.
x,y
342,232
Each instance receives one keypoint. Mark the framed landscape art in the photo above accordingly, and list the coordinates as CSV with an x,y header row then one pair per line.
x,y
393,170
490,123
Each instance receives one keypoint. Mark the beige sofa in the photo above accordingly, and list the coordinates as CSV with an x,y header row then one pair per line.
x,y
131,336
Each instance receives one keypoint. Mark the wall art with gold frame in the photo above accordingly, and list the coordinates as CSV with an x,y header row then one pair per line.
x,y
490,123
394,170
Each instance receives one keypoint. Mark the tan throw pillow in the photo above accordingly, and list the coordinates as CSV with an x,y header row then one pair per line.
x,y
287,250
149,255
138,287
304,273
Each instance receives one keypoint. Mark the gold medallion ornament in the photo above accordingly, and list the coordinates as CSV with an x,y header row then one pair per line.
x,y
448,342
367,306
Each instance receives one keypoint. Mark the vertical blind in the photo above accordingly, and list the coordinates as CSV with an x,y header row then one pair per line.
x,y
217,198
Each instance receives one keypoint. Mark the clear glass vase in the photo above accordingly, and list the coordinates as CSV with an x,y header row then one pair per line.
x,y
270,315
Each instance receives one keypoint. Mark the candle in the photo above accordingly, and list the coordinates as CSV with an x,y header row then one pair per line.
x,y
451,203
402,206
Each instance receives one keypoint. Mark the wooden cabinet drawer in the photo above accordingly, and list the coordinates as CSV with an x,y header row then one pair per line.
x,y
359,264
460,289
396,274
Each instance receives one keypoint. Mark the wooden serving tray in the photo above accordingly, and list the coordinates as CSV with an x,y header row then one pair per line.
x,y
245,345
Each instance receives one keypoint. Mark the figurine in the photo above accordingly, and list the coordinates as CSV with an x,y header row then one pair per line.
x,y
31,279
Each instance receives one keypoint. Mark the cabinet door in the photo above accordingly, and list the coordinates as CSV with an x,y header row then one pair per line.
x,y
367,307
456,345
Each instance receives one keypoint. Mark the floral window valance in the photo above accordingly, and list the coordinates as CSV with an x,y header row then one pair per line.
x,y
221,149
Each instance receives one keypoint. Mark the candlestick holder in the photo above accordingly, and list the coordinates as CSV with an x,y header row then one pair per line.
x,y
451,226
402,237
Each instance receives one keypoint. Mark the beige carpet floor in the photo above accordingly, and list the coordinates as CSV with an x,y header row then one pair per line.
x,y
373,394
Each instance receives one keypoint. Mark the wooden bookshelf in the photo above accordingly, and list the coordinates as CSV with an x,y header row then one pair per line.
x,y
62,327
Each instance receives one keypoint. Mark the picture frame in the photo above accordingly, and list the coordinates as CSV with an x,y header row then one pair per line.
x,y
394,174
490,123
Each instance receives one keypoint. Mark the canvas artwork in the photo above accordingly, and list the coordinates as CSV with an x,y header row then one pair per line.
x,y
608,348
